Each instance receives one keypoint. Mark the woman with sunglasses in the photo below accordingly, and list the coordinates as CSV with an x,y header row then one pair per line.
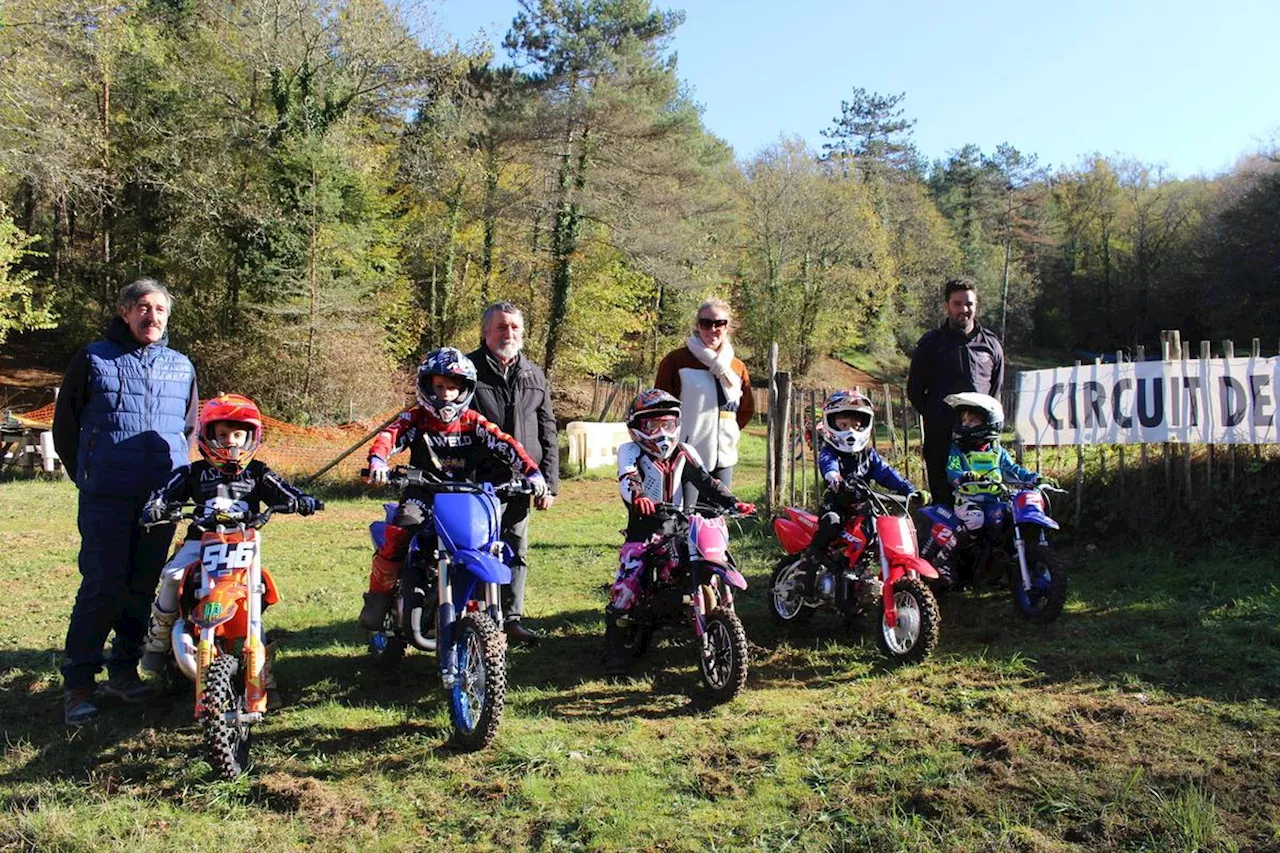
x,y
714,391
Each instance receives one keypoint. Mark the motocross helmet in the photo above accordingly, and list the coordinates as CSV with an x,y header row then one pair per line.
x,y
451,363
847,404
240,412
986,407
654,422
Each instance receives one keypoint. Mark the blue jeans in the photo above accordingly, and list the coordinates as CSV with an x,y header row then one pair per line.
x,y
120,564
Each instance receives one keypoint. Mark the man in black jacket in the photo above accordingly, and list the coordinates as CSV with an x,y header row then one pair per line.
x,y
512,392
960,355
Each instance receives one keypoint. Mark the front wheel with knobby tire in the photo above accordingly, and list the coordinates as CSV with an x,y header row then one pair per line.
x,y
723,654
1048,594
226,736
480,688
786,591
919,620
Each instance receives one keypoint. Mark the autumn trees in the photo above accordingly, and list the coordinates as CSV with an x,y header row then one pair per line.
x,y
331,192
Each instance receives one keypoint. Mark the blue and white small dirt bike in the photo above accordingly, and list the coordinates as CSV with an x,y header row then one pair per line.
x,y
447,599
1036,576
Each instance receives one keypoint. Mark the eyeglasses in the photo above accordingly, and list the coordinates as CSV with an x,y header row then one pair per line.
x,y
708,323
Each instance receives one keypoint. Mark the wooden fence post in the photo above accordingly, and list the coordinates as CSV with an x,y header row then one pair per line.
x,y
1140,354
1186,459
1256,352
1079,468
888,420
771,428
782,436
1206,353
1229,351
1167,354
1120,446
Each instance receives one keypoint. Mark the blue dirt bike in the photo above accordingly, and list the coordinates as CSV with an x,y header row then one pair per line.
x,y
447,598
1019,550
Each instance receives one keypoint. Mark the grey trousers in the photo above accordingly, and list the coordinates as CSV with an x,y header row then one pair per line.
x,y
515,532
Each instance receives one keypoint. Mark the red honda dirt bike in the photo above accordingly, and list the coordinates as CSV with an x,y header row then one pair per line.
x,y
872,567
220,608
689,575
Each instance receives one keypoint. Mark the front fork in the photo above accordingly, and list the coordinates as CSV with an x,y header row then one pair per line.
x,y
447,653
706,596
1020,547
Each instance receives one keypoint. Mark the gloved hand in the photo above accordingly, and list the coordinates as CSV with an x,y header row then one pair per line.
x,y
922,496
644,505
1042,480
834,480
155,512
539,484
746,508
378,473
306,505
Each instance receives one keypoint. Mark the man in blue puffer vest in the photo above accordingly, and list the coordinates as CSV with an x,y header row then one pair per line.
x,y
124,419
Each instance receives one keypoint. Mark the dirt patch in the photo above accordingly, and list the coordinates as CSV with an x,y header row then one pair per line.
x,y
832,374
323,809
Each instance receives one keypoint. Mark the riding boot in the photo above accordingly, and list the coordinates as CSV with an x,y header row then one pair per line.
x,y
615,659
155,656
388,560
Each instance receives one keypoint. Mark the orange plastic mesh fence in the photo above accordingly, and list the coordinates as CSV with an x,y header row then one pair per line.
x,y
294,451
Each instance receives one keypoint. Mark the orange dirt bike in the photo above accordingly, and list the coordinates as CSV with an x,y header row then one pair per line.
x,y
217,640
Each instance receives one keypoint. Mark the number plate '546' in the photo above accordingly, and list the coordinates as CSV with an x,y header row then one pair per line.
x,y
224,557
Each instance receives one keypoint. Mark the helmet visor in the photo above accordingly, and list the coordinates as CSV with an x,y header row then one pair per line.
x,y
658,425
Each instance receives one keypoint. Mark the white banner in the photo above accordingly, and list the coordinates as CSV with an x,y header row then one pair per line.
x,y
1213,401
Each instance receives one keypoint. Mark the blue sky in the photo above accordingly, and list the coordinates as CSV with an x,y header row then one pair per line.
x,y
1191,85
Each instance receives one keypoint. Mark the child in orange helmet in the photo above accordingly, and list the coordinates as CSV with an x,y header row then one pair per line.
x,y
228,480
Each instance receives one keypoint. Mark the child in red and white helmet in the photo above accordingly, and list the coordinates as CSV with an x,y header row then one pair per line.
x,y
448,438
227,480
653,468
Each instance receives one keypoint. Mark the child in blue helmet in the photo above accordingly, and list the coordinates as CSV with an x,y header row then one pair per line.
x,y
446,437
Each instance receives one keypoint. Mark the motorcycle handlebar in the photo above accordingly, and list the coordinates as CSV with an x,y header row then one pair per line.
x,y
206,523
710,510
403,476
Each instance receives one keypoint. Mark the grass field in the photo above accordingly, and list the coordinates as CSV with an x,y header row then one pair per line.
x,y
1145,719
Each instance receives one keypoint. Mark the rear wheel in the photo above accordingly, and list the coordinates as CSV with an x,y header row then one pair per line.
x,y
1044,601
723,658
480,689
918,622
226,738
786,596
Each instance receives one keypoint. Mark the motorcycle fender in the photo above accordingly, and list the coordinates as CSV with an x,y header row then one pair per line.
x,y
732,577
218,608
793,536
919,565
1028,508
487,568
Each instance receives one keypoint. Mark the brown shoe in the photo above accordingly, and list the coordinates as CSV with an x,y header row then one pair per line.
x,y
517,633
78,707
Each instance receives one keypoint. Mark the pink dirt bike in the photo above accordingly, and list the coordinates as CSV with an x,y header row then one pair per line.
x,y
688,574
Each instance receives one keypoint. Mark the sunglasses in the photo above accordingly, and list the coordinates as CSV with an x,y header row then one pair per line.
x,y
708,323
